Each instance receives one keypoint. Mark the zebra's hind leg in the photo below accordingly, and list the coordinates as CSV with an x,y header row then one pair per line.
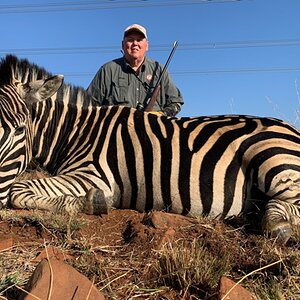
x,y
280,219
26,195
95,202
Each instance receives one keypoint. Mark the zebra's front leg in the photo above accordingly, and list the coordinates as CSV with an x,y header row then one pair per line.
x,y
280,219
24,195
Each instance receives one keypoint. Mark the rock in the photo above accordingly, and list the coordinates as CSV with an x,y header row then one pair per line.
x,y
52,252
167,237
237,293
6,244
158,219
61,281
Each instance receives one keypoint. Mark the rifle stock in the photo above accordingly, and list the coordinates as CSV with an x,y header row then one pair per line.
x,y
153,98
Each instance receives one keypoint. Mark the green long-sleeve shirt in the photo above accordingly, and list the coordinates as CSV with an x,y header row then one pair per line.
x,y
116,83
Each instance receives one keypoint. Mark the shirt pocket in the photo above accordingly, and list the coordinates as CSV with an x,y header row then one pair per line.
x,y
119,91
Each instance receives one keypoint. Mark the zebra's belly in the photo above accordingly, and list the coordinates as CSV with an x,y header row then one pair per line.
x,y
194,207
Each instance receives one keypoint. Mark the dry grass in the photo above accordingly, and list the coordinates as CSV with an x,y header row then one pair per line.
x,y
187,267
190,266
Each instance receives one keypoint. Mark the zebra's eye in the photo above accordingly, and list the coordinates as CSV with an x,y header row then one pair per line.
x,y
20,130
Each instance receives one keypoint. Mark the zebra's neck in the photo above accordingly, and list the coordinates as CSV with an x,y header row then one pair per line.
x,y
64,129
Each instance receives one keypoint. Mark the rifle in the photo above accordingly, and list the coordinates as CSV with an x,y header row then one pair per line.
x,y
152,99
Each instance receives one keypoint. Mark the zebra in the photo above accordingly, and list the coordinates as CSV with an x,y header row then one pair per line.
x,y
104,157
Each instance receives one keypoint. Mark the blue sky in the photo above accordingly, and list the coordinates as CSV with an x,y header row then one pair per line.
x,y
238,57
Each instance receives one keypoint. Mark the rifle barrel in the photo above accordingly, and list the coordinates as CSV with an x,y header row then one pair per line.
x,y
151,101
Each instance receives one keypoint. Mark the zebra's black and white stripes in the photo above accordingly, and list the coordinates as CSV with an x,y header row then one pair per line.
x,y
15,120
124,158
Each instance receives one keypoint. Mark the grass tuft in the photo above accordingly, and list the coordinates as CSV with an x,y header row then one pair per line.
x,y
190,266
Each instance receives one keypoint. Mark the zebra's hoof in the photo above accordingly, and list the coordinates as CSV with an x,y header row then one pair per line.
x,y
282,233
96,204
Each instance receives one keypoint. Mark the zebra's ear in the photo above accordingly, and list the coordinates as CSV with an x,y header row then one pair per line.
x,y
42,89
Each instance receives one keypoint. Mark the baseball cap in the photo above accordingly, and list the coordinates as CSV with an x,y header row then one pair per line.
x,y
136,27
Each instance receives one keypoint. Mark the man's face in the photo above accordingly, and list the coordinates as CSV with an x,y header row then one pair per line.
x,y
135,46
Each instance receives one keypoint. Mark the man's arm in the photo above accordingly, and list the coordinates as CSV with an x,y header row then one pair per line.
x,y
172,95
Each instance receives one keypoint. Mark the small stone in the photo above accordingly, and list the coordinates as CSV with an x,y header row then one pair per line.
x,y
237,293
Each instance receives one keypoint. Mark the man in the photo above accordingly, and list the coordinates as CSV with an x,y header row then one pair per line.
x,y
130,80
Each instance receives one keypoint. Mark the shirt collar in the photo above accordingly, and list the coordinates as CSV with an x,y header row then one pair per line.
x,y
127,67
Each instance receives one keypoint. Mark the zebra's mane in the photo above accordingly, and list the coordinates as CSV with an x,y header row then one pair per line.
x,y
20,69
13,68
70,94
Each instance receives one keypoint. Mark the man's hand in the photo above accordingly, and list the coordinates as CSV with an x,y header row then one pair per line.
x,y
172,110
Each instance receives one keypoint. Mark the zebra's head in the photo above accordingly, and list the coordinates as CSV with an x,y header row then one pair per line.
x,y
19,88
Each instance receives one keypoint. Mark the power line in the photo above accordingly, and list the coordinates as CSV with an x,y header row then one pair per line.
x,y
241,70
158,47
100,5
